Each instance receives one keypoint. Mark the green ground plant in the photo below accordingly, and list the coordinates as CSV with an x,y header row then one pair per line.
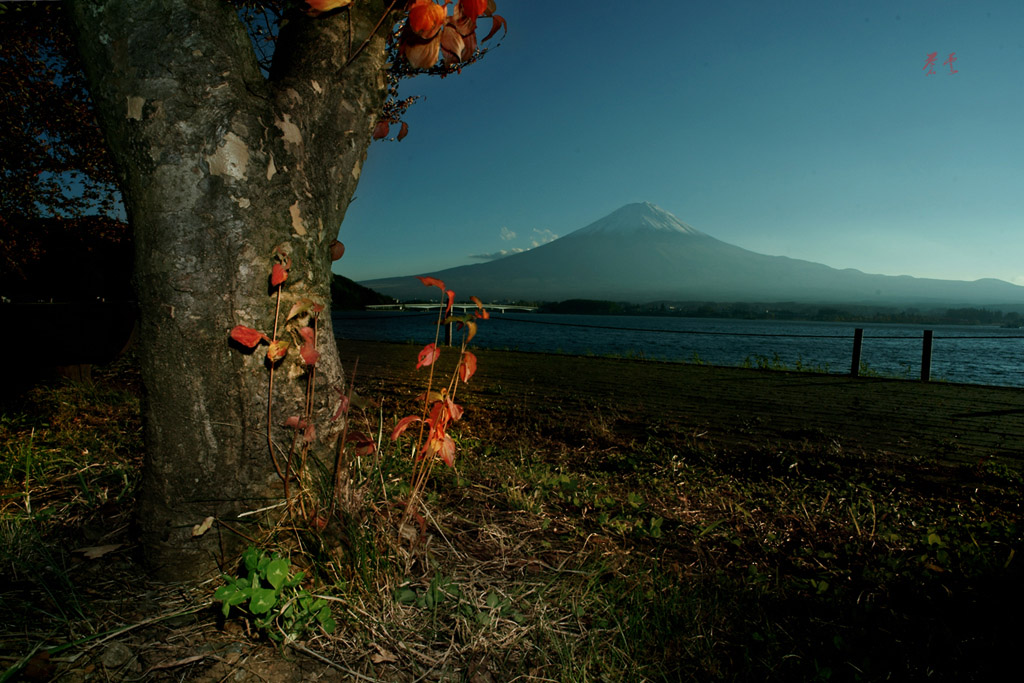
x,y
268,594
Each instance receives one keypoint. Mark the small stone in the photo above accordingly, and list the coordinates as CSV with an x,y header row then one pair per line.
x,y
116,655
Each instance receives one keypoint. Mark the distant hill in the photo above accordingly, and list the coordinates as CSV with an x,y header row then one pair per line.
x,y
347,295
641,253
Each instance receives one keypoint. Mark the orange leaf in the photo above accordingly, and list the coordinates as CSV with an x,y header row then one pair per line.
x,y
300,307
472,330
430,281
467,367
247,337
452,46
426,18
420,55
278,275
473,8
483,311
278,350
428,355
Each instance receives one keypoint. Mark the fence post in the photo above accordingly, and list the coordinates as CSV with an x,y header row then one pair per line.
x,y
448,334
858,339
926,356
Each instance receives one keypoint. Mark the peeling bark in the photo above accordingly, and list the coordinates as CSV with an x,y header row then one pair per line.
x,y
218,167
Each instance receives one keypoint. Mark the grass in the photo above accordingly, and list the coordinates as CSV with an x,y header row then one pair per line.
x,y
562,548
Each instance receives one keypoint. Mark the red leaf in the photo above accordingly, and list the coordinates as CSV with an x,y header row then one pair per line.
x,y
309,354
295,422
308,351
451,300
467,368
278,275
247,337
342,407
446,449
496,23
403,424
319,6
453,409
380,131
402,132
337,248
430,281
364,444
428,355
309,436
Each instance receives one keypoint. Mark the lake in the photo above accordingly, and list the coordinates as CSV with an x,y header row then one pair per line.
x,y
960,353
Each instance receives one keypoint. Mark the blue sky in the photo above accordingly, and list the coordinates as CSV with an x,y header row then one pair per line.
x,y
803,129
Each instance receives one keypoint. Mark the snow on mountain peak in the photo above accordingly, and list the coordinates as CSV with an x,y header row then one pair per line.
x,y
633,217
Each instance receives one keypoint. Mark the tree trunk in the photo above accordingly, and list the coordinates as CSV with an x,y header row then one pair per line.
x,y
219,167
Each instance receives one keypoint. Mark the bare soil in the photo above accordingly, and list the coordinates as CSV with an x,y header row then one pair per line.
x,y
924,423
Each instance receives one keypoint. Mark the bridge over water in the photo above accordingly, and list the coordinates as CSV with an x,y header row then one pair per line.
x,y
501,308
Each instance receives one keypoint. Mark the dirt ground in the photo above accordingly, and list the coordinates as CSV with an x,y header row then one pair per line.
x,y
918,421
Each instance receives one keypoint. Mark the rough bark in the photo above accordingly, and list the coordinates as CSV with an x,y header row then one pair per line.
x,y
218,167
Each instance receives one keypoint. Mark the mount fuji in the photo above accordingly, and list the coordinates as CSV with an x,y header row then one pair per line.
x,y
641,253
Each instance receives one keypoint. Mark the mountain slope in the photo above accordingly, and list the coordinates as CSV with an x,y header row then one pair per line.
x,y
642,253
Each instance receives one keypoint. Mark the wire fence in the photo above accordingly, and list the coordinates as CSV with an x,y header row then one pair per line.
x,y
925,337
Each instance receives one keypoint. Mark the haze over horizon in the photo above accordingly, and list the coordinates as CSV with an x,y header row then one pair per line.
x,y
812,131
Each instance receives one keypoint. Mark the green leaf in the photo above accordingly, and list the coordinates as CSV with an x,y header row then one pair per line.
x,y
224,592
251,558
328,625
405,596
262,601
277,571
